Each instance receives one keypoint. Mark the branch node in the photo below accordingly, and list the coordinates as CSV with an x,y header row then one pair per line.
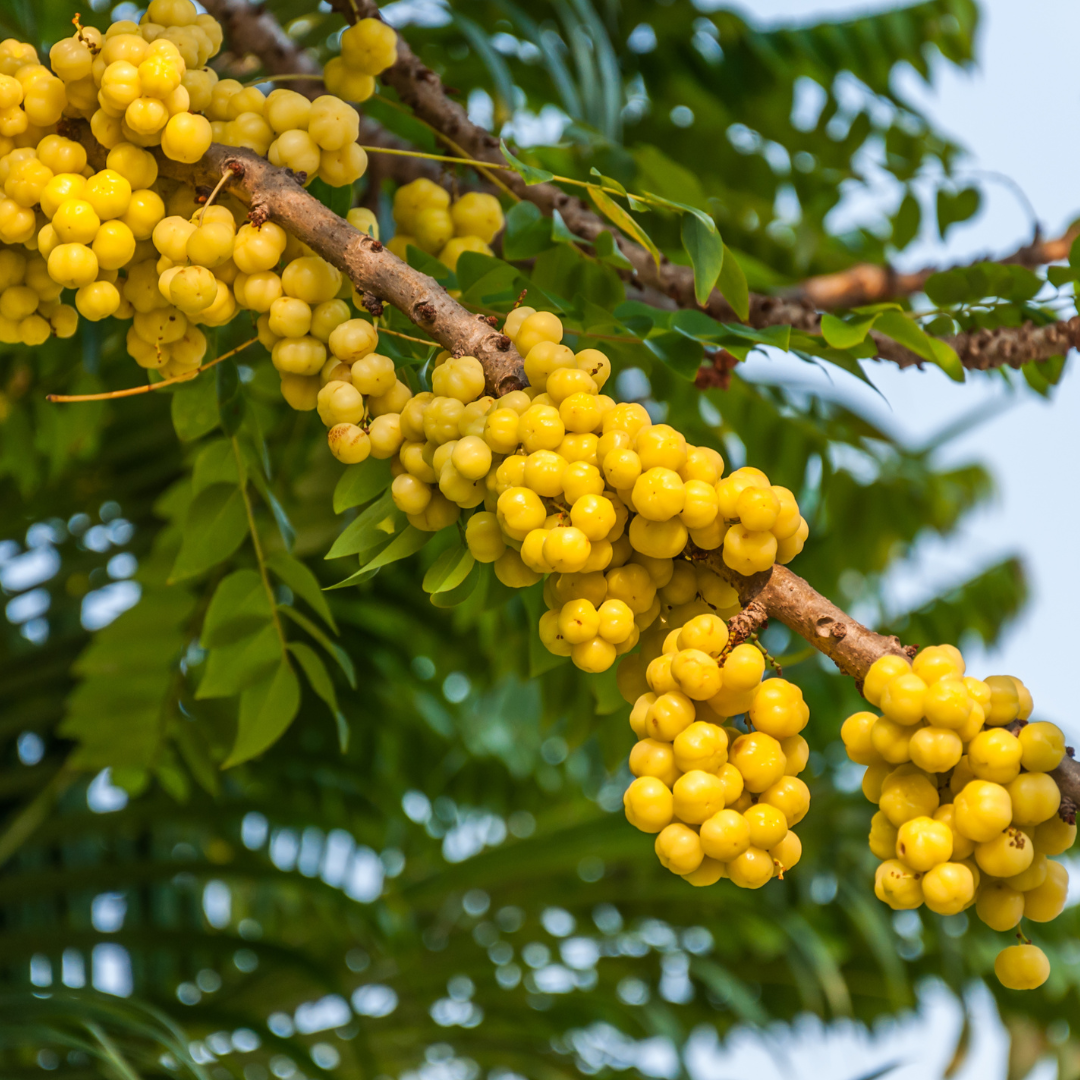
x,y
502,343
1067,810
259,215
373,304
425,311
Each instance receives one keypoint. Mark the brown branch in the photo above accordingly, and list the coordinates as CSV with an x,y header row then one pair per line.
x,y
253,30
868,283
274,194
786,597
421,89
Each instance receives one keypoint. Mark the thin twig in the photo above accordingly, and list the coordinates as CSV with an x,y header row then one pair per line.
x,y
131,391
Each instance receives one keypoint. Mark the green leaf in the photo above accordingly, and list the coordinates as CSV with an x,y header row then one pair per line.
x,y
231,668
527,173
266,711
1074,252
449,570
681,353
215,526
606,181
955,208
281,519
194,408
949,287
706,251
370,530
461,592
409,541
733,285
903,329
844,335
560,231
302,582
230,397
622,220
528,231
608,251
945,357
319,677
216,464
906,222
1062,275
238,607
341,657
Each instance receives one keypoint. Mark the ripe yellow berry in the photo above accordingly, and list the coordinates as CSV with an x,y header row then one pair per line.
x,y
1004,700
698,796
701,746
856,735
725,835
1046,902
947,703
905,794
697,674
1000,906
962,847
883,835
935,749
1005,855
779,709
1035,798
668,715
922,843
759,758
752,869
679,849
898,886
790,796
983,810
995,755
948,888
902,699
649,804
708,873
349,443
1042,747
1022,967
1054,837
650,757
767,824
882,672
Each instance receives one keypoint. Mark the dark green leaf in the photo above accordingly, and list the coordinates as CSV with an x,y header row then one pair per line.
x,y
733,285
407,542
428,264
319,677
955,208
194,408
380,521
303,583
215,526
231,668
609,252
238,607
340,656
230,396
528,231
906,222
623,220
560,233
216,464
949,287
706,251
681,353
448,598
449,570
266,711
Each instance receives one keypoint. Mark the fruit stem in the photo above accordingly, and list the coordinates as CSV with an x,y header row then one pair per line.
x,y
132,391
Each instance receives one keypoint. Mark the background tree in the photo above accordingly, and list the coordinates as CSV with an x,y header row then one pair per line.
x,y
431,852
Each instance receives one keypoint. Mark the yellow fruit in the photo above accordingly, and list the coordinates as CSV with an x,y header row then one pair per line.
x,y
701,745
752,869
1035,798
881,673
759,758
1046,903
648,804
1022,967
1042,747
948,888
999,905
898,886
995,755
698,795
1006,855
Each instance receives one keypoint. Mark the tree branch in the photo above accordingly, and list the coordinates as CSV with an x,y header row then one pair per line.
x,y
868,283
274,194
421,89
786,597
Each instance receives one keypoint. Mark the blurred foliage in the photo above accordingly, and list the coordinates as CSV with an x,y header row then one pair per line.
x,y
429,869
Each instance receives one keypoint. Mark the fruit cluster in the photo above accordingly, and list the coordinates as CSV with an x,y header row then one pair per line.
x,y
138,246
427,219
722,800
968,810
571,483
